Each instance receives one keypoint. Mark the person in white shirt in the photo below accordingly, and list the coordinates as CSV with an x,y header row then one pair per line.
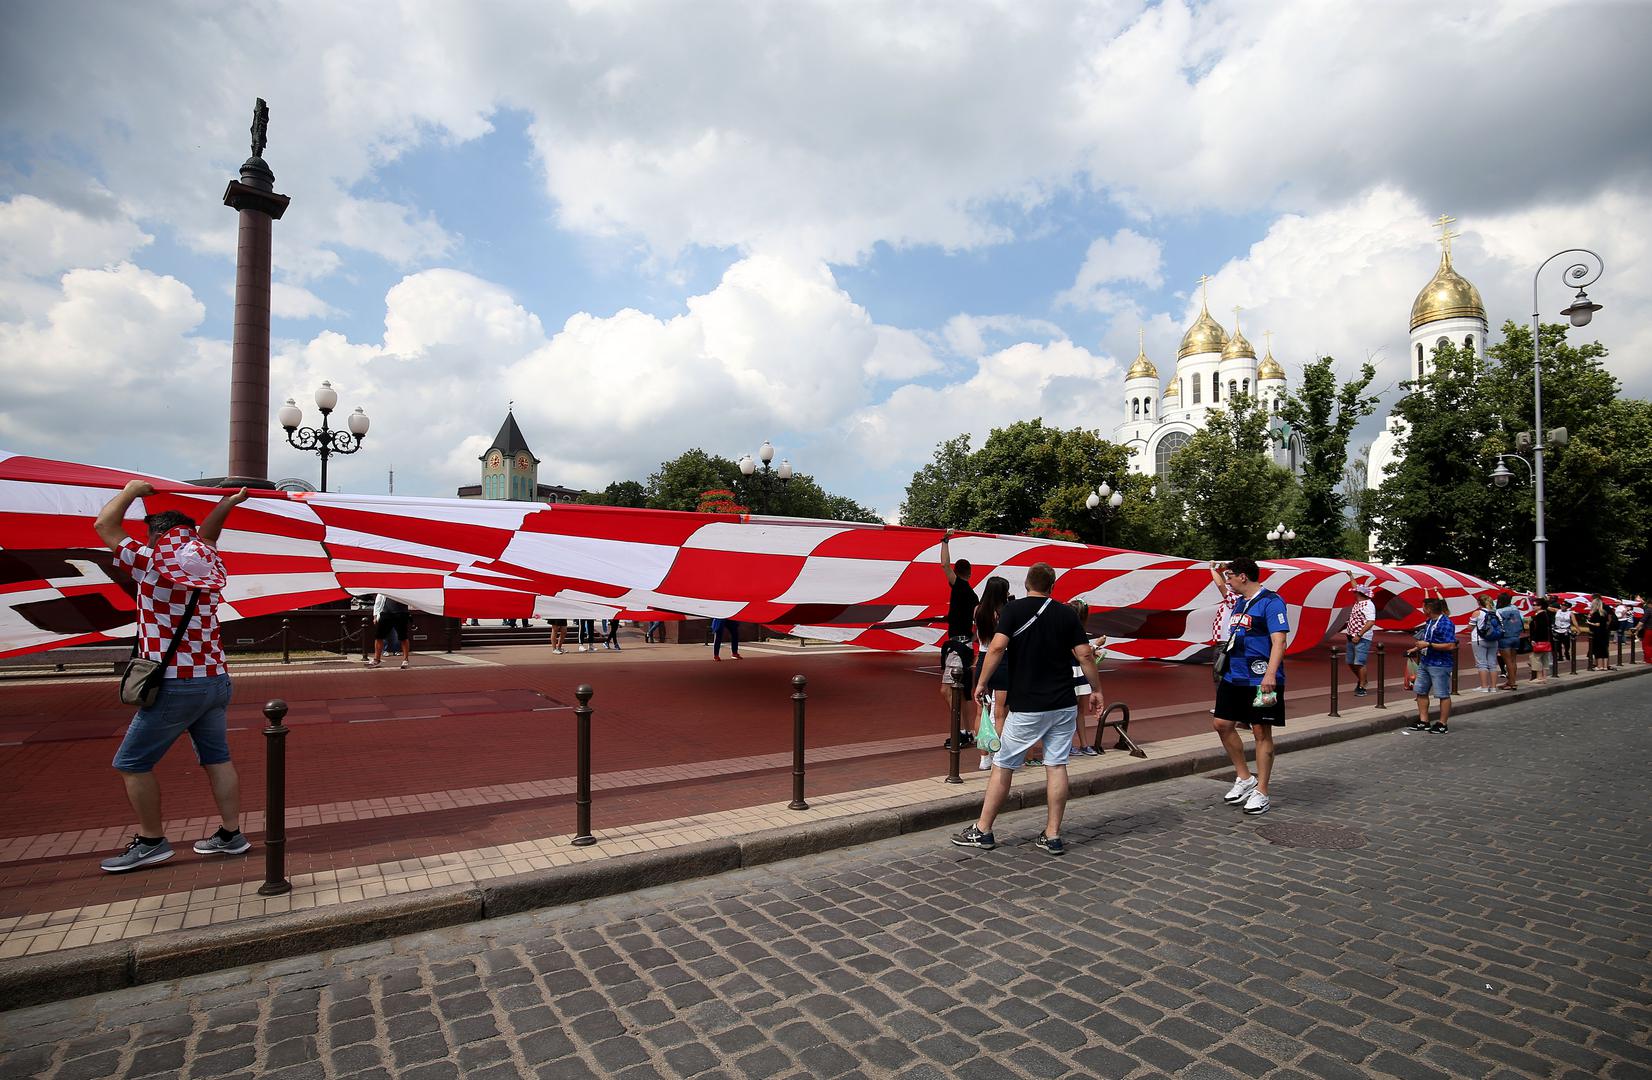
x,y
1562,632
1360,630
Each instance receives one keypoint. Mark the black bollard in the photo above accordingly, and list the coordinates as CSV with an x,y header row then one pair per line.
x,y
1456,658
367,633
1335,679
344,635
275,802
582,763
1573,651
1382,677
286,641
955,742
798,698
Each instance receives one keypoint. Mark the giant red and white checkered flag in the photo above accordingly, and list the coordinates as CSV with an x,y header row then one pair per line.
x,y
874,585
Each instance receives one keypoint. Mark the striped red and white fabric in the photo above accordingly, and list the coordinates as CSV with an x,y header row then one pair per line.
x,y
878,586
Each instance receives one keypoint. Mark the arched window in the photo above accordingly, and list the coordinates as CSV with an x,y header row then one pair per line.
x,y
1215,388
1197,382
1135,408
1247,386
1468,343
1419,361
1276,405
1166,448
1147,406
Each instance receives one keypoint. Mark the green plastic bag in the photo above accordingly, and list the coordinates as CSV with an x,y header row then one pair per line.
x,y
986,736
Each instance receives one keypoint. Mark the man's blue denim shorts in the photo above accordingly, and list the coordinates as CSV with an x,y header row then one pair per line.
x,y
1024,730
1432,681
193,705
1359,652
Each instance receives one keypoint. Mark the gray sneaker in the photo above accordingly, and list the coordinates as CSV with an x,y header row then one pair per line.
x,y
217,845
138,854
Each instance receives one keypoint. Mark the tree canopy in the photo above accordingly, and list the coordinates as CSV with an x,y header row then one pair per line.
x,y
683,482
1323,414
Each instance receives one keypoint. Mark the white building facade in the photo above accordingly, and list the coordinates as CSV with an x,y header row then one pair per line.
x,y
1212,368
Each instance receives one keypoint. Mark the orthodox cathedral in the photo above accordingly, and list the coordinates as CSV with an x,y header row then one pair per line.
x,y
1213,366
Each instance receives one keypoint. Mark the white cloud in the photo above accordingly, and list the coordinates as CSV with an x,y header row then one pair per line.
x,y
294,302
1127,256
974,335
41,239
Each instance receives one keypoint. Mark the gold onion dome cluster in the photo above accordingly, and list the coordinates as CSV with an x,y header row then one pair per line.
x,y
1448,295
1204,336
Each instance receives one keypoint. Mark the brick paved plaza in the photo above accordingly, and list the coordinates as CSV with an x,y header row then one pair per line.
x,y
1494,920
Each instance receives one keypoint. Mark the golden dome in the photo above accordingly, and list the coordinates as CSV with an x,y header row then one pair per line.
x,y
1448,295
1204,336
1173,390
1143,367
1238,347
1269,368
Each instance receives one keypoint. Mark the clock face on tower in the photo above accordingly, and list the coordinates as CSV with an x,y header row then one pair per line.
x,y
524,462
495,458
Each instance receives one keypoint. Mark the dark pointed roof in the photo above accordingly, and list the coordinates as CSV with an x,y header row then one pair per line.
x,y
509,441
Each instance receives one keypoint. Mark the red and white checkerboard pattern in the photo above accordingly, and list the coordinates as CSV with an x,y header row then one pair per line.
x,y
161,605
879,586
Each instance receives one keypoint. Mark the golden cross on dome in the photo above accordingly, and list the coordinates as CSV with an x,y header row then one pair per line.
x,y
1141,339
1204,289
1446,235
1267,336
1236,310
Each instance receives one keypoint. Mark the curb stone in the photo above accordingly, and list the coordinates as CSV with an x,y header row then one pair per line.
x,y
92,969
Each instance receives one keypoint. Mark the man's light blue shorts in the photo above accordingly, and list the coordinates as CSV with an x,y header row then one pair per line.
x,y
1359,652
1023,730
193,705
1432,682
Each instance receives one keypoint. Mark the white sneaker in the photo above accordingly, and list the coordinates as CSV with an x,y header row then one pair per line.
x,y
1257,803
986,762
1240,789
584,648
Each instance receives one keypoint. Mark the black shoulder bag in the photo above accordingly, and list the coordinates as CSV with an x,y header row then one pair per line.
x,y
140,683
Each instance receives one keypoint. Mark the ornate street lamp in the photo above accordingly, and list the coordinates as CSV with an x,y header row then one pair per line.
x,y
1104,500
766,453
325,441
1279,535
1580,311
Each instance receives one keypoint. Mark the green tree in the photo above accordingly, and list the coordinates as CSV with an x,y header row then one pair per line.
x,y
1435,505
1224,492
619,493
1594,484
937,493
1322,414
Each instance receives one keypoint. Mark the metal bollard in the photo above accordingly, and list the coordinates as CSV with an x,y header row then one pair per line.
x,y
1334,681
955,741
798,698
1382,677
1620,650
582,763
1456,659
286,641
367,633
1572,650
344,635
275,802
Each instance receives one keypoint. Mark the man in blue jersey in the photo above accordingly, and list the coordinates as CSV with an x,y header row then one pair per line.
x,y
1437,651
1250,693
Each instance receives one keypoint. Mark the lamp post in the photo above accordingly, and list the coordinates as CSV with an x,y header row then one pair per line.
x,y
1279,535
325,441
1104,500
766,454
1581,310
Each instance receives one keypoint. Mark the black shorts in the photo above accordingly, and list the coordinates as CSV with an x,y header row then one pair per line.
x,y
1000,675
1233,702
391,620
563,623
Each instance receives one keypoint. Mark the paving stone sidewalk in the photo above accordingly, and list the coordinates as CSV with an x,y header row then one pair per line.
x,y
1494,919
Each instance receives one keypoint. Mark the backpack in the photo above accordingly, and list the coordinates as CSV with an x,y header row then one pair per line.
x,y
1489,627
1513,624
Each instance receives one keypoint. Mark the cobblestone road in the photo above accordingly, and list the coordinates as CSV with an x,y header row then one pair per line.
x,y
1496,921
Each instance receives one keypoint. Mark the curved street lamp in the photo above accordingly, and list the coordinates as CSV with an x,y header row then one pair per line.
x,y
1104,500
1580,311
325,441
1279,535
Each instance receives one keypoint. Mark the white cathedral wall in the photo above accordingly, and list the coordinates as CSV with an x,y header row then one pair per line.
x,y
1457,330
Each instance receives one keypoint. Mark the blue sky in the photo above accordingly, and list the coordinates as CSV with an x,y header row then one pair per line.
x,y
855,231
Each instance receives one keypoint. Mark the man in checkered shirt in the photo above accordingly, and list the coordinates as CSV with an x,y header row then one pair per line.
x,y
178,561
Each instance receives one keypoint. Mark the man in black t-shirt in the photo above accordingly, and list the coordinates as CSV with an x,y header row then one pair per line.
x,y
1040,639
957,648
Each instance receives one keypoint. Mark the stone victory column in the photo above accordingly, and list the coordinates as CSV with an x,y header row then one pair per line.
x,y
253,197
